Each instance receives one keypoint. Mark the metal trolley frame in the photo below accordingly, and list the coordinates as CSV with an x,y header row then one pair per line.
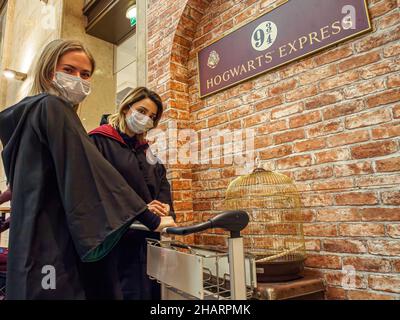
x,y
202,273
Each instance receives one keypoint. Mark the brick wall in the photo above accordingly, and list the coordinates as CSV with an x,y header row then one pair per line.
x,y
330,121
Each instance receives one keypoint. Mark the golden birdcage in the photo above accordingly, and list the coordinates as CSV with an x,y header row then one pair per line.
x,y
275,232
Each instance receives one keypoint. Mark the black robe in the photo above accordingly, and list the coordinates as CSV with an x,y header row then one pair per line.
x,y
70,206
149,181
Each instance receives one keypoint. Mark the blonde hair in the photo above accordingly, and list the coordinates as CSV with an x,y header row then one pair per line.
x,y
117,120
47,63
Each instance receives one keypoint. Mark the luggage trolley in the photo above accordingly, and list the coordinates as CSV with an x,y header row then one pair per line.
x,y
201,273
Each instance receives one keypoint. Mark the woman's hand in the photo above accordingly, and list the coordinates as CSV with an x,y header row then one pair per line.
x,y
166,222
159,208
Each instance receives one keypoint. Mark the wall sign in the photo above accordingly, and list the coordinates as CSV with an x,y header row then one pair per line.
x,y
289,32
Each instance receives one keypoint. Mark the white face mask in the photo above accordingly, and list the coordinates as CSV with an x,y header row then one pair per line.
x,y
74,89
139,123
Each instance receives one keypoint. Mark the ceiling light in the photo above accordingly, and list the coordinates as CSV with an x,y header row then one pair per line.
x,y
131,12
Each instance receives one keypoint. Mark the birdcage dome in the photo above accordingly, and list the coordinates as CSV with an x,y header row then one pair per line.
x,y
275,232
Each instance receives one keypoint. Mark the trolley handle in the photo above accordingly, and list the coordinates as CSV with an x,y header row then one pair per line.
x,y
232,221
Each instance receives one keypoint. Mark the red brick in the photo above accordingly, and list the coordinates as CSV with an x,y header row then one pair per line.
x,y
361,229
337,278
393,230
240,112
339,80
359,61
304,119
348,138
317,200
177,86
353,169
386,131
294,161
282,87
301,93
245,15
338,214
368,295
396,111
377,39
391,50
313,173
296,68
333,293
255,120
278,228
393,81
382,7
383,98
201,206
334,55
206,113
385,283
313,245
323,261
391,198
182,205
368,264
262,141
334,184
320,229
286,110
368,119
356,198
214,121
210,240
384,247
345,246
365,88
324,128
199,42
332,156
230,104
303,215
378,69
207,175
323,100
343,109
272,127
181,185
380,214
377,180
289,136
311,144
315,75
276,152
270,102
396,266
374,149
228,173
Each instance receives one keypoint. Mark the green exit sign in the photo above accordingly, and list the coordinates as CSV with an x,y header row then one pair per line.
x,y
133,22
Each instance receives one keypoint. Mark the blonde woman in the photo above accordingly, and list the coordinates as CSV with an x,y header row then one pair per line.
x,y
122,142
70,206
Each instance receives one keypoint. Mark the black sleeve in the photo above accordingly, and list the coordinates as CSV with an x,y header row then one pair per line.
x,y
165,195
99,205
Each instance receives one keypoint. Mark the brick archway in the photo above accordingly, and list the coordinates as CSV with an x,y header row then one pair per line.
x,y
179,101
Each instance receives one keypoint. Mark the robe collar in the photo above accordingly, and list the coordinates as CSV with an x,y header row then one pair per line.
x,y
109,132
